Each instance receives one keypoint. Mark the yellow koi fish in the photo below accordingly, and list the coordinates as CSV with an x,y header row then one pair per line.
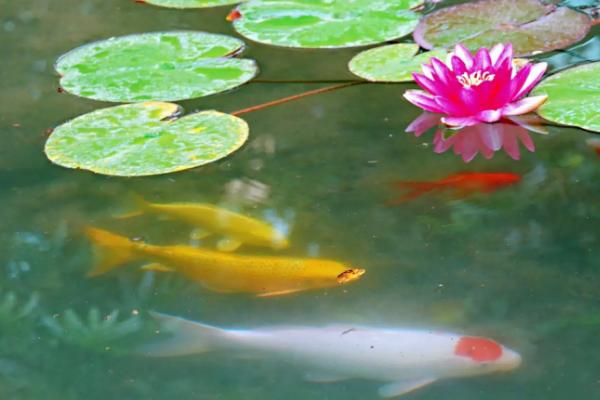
x,y
264,276
236,228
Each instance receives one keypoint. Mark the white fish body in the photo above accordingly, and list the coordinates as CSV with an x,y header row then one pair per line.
x,y
407,358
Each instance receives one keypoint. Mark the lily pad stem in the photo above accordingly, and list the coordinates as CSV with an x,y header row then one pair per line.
x,y
296,97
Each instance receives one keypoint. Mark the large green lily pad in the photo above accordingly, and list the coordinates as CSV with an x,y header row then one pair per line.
x,y
190,3
391,63
143,139
326,23
529,25
573,97
155,66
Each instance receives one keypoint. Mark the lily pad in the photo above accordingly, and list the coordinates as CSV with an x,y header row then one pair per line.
x,y
391,63
190,3
529,25
573,97
326,23
143,139
155,66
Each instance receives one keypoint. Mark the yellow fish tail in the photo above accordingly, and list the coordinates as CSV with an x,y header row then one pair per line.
x,y
141,206
110,250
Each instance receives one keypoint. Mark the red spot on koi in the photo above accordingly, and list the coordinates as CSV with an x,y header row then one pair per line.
x,y
478,349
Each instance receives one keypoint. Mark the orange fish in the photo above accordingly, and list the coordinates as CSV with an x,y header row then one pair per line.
x,y
462,184
594,143
233,16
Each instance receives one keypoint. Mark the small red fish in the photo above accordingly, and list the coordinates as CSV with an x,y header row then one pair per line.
x,y
462,184
594,143
234,15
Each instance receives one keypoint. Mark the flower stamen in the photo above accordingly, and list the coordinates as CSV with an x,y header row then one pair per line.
x,y
474,78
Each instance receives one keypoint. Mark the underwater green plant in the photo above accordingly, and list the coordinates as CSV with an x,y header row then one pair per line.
x,y
13,316
96,332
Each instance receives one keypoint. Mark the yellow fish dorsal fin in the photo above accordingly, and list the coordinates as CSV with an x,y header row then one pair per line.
x,y
228,244
156,267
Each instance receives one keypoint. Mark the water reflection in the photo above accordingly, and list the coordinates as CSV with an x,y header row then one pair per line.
x,y
483,138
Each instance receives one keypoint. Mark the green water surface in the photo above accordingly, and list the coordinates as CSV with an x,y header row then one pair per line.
x,y
520,265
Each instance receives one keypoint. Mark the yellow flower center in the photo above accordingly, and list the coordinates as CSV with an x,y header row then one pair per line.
x,y
474,78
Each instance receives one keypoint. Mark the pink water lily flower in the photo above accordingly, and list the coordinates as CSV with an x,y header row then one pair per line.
x,y
471,89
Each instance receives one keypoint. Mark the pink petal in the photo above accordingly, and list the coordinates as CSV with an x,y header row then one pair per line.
x,y
489,115
533,77
495,52
524,106
482,59
460,121
427,70
461,52
501,87
458,66
428,84
423,123
451,107
423,100
531,122
441,71
470,100
506,54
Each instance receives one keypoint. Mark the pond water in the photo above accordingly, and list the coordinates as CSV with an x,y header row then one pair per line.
x,y
519,264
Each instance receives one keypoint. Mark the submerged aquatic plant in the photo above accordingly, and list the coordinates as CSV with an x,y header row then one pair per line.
x,y
471,89
99,333
11,314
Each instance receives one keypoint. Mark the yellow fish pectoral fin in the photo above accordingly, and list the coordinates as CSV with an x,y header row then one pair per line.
x,y
156,267
199,233
228,244
278,293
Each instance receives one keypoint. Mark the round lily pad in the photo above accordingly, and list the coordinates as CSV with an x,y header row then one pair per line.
x,y
531,26
155,66
143,139
573,97
326,23
391,63
190,3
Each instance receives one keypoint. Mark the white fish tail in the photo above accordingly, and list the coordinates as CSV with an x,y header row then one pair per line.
x,y
188,338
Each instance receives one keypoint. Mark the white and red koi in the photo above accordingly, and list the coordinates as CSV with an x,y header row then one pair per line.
x,y
406,359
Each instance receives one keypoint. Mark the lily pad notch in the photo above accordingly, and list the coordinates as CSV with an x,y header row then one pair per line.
x,y
159,66
144,139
